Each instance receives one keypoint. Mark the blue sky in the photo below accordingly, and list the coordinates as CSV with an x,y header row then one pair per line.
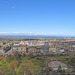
x,y
47,16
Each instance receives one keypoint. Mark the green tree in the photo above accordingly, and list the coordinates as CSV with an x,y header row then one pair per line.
x,y
4,70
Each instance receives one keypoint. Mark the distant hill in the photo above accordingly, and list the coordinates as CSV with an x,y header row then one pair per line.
x,y
34,36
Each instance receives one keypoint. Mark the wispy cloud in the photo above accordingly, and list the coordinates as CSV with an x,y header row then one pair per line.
x,y
38,33
13,7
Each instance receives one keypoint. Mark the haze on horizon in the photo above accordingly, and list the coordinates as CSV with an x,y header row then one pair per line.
x,y
47,16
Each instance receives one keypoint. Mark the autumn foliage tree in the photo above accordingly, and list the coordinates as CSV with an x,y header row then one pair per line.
x,y
26,68
13,65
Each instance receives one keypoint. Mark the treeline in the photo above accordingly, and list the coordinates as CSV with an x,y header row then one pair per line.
x,y
21,65
29,65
